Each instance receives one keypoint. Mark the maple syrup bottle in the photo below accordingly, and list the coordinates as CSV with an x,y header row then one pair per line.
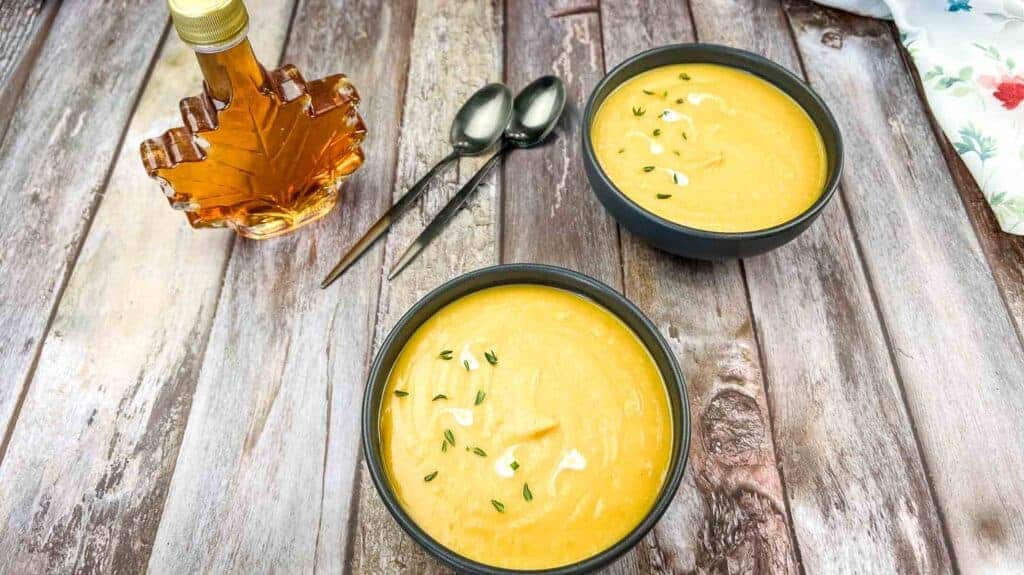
x,y
262,153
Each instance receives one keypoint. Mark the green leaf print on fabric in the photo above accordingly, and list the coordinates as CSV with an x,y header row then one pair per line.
x,y
960,82
971,140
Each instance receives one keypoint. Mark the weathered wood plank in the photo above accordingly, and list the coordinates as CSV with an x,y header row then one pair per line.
x,y
88,466
731,507
265,469
856,486
1005,252
456,49
23,27
54,160
549,214
959,358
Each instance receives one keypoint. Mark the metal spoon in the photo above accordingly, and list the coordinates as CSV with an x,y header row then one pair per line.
x,y
535,114
476,128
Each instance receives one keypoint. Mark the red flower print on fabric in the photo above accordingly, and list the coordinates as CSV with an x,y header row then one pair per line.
x,y
1010,93
1007,89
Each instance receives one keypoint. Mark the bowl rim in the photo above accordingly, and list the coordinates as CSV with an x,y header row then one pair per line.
x,y
580,284
831,182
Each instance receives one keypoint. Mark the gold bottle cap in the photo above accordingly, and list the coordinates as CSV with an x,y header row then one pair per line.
x,y
208,22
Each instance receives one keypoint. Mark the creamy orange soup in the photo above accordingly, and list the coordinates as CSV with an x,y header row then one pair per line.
x,y
526,427
710,147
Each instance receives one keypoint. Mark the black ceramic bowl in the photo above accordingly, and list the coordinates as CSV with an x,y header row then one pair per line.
x,y
691,242
526,274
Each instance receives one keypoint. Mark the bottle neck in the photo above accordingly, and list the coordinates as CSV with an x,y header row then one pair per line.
x,y
225,70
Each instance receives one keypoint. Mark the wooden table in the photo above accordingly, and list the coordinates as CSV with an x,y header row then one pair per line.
x,y
188,401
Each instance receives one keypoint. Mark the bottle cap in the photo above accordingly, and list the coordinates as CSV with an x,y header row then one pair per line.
x,y
208,22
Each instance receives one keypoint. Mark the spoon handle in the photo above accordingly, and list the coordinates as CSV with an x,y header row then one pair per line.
x,y
385,221
447,213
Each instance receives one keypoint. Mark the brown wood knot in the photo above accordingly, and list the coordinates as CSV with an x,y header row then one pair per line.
x,y
990,526
744,532
733,429
832,37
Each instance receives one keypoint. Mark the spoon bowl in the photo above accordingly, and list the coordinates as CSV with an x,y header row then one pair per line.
x,y
480,122
535,112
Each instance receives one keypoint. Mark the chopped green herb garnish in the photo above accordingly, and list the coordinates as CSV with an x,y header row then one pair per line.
x,y
664,196
479,452
648,168
498,505
465,364
514,465
480,395
492,358
675,178
439,396
622,150
657,132
680,101
430,477
639,110
684,76
664,94
684,136
527,494
401,393
648,92
449,437
445,354
676,152
444,446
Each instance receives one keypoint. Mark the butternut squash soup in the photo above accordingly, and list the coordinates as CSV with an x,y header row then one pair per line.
x,y
526,427
710,147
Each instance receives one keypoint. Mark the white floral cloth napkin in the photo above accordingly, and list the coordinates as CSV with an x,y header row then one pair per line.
x,y
970,54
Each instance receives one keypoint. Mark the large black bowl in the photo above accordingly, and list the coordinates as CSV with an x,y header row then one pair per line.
x,y
692,242
526,274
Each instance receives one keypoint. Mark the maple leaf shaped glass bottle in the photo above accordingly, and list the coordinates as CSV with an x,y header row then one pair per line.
x,y
261,152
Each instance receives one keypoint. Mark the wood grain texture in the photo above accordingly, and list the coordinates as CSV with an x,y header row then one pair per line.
x,y
549,214
266,464
455,51
730,513
94,448
857,490
955,347
1004,252
23,27
54,160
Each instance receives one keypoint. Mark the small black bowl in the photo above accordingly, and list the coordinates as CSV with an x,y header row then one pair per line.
x,y
692,242
540,275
